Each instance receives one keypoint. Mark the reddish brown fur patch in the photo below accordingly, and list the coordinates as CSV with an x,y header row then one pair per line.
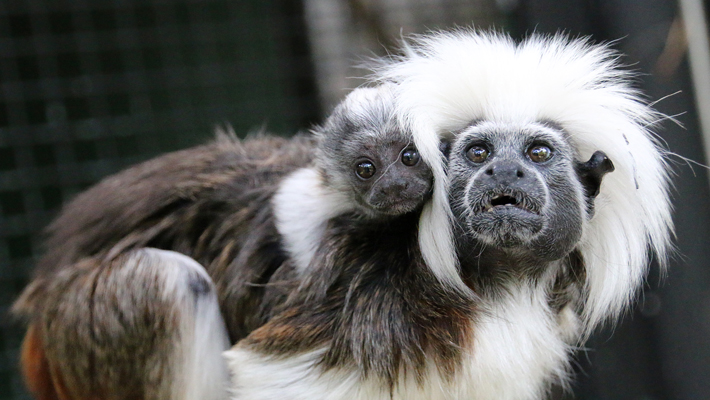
x,y
35,367
373,304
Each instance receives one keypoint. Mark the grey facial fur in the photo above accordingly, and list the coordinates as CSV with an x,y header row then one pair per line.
x,y
511,202
363,130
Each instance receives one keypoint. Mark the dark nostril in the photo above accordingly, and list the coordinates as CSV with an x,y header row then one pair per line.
x,y
505,170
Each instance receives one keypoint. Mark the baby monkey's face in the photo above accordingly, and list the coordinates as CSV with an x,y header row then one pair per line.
x,y
388,177
366,154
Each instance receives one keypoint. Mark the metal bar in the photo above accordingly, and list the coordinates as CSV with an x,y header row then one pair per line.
x,y
699,58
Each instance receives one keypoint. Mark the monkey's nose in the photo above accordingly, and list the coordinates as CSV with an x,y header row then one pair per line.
x,y
505,172
394,188
391,191
400,185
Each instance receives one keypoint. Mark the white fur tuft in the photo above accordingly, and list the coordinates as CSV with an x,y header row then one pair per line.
x,y
201,372
446,80
302,206
435,230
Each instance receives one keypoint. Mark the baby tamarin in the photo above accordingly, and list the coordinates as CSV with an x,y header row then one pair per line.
x,y
113,317
366,166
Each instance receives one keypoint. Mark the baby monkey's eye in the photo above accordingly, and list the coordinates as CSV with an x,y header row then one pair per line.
x,y
539,153
478,153
365,169
410,157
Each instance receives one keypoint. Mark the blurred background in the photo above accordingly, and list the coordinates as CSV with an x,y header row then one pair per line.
x,y
90,87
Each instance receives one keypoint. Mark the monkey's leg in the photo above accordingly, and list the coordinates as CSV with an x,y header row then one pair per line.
x,y
145,325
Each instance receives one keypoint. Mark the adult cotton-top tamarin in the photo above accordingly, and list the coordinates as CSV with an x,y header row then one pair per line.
x,y
539,229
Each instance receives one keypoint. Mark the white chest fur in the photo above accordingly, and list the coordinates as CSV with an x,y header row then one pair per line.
x,y
517,350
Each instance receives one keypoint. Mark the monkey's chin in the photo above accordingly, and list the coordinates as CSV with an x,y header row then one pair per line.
x,y
394,208
506,226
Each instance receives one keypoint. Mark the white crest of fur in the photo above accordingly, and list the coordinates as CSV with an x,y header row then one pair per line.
x,y
371,104
446,80
435,231
302,206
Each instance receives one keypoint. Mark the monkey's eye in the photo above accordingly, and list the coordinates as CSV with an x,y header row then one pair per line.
x,y
478,153
410,157
365,169
539,153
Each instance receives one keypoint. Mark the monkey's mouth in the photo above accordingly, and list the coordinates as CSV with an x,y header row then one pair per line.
x,y
395,206
505,218
502,201
505,202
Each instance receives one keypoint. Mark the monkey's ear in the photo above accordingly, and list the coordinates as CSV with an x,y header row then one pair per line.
x,y
590,175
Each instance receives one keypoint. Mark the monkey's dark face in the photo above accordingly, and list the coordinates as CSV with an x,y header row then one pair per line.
x,y
365,154
518,188
381,171
389,178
